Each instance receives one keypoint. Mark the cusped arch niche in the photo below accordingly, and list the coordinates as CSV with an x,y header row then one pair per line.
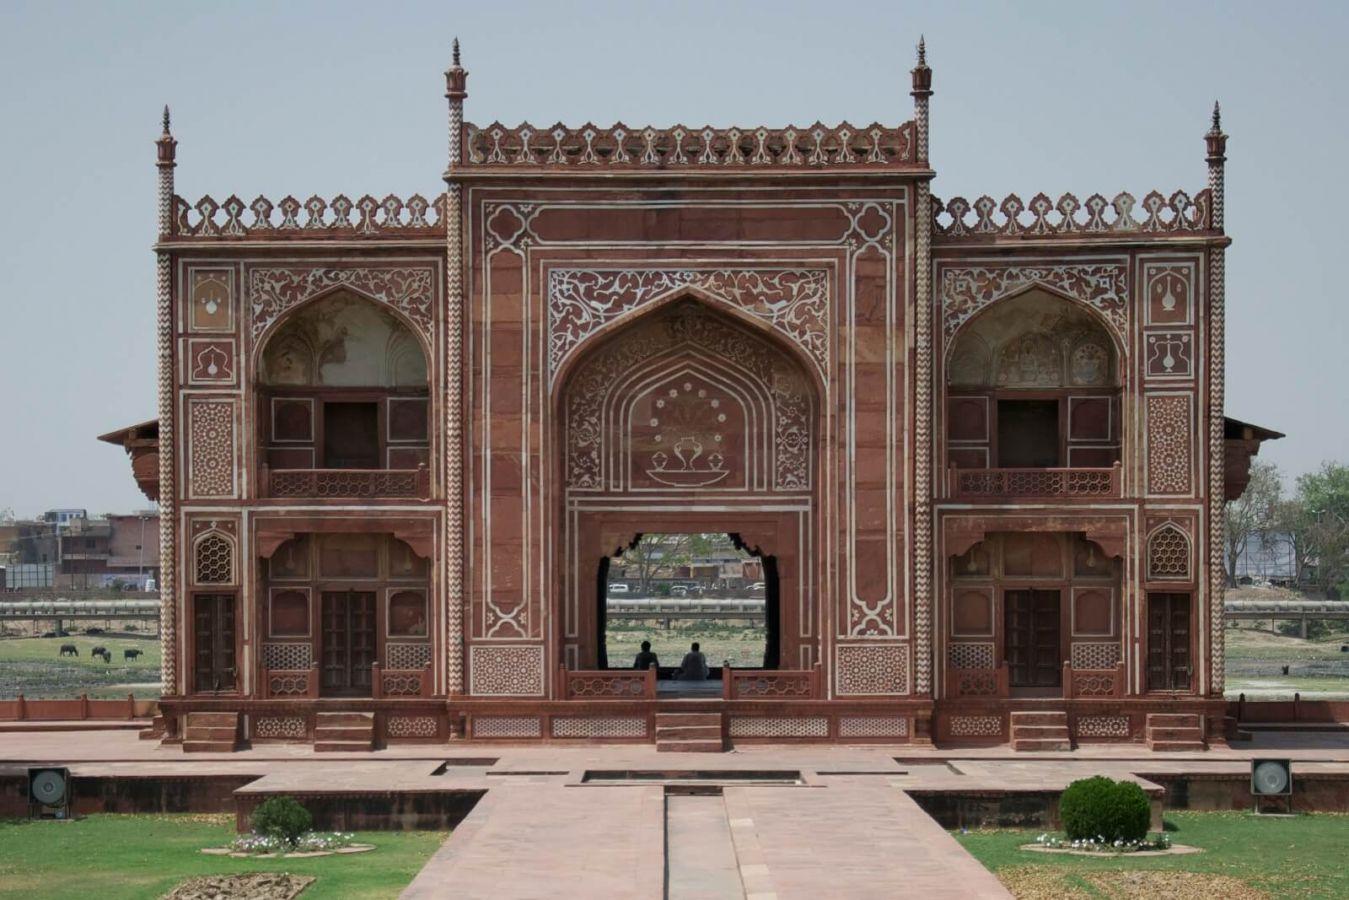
x,y
687,398
1033,340
342,340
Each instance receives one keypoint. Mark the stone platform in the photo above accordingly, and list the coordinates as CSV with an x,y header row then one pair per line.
x,y
627,821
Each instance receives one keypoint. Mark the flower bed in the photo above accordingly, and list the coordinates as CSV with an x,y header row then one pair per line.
x,y
1099,846
311,843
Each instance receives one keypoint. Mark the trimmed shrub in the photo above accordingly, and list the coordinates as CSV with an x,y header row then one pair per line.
x,y
282,818
1100,809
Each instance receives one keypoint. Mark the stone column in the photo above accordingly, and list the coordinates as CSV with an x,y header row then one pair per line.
x,y
922,437
456,80
1216,143
166,148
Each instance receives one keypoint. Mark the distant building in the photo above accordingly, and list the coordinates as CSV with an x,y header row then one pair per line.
x,y
1270,557
67,549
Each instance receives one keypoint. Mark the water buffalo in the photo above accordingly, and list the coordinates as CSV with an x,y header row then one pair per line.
x,y
69,650
131,653
103,652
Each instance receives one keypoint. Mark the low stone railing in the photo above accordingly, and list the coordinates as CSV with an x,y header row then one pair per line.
x,y
997,483
289,683
770,684
978,682
679,147
21,709
1093,683
986,218
608,684
400,682
315,217
345,483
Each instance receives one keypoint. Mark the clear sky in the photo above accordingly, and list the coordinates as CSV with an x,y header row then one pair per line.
x,y
307,97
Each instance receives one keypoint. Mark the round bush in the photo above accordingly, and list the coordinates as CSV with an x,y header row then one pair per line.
x,y
283,818
1100,809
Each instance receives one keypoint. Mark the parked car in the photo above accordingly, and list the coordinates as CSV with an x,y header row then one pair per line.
x,y
618,588
758,586
679,590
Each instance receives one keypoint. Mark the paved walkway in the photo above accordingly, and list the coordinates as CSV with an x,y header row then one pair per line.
x,y
847,829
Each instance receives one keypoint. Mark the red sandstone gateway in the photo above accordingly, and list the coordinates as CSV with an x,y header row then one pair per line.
x,y
979,447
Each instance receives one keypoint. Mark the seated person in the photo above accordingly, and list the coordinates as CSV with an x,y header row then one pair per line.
x,y
694,666
646,659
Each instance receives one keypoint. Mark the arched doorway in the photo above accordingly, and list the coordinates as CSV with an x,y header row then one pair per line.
x,y
687,420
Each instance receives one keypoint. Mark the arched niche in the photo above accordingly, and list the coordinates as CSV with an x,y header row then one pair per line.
x,y
342,384
1033,381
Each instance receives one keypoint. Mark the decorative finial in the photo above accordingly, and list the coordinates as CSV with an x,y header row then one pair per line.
x,y
1217,117
166,118
922,50
456,51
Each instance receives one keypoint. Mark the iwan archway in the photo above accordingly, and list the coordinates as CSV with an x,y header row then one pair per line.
x,y
688,420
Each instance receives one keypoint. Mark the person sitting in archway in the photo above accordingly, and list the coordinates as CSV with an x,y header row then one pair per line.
x,y
645,659
694,666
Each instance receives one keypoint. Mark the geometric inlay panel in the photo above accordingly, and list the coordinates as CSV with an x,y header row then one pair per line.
x,y
1103,726
506,671
287,656
407,656
599,727
976,726
779,727
1095,655
285,727
1169,444
211,448
970,656
873,726
506,727
872,669
411,727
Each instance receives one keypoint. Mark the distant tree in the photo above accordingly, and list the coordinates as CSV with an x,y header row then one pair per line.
x,y
1253,513
654,554
1290,525
1324,496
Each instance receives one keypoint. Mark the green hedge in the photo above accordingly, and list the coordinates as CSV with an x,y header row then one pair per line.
x,y
283,818
1100,809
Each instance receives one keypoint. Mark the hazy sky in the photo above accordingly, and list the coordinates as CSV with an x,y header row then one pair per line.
x,y
304,97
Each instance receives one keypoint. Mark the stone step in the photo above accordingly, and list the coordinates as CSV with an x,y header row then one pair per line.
x,y
1052,744
678,732
213,718
1039,718
1055,732
210,733
1172,746
345,719
208,746
1174,720
344,733
1175,734
683,718
342,746
691,746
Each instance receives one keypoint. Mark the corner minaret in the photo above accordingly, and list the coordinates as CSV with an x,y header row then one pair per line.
x,y
922,92
924,445
1216,143
166,148
456,83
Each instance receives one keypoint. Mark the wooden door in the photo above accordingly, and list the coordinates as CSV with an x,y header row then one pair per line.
x,y
213,668
1031,638
1169,665
348,642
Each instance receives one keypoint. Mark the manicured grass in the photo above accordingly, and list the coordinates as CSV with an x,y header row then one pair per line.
x,y
1298,857
112,857
34,667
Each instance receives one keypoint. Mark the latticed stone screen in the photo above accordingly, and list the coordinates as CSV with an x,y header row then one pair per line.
x,y
215,560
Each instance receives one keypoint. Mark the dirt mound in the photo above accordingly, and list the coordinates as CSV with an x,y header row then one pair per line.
x,y
1052,883
255,886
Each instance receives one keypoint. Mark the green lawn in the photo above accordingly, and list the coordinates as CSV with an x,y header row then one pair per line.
x,y
113,856
1299,857
34,667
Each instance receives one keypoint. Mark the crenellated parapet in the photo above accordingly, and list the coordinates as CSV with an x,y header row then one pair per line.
x,y
315,217
700,149
959,219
